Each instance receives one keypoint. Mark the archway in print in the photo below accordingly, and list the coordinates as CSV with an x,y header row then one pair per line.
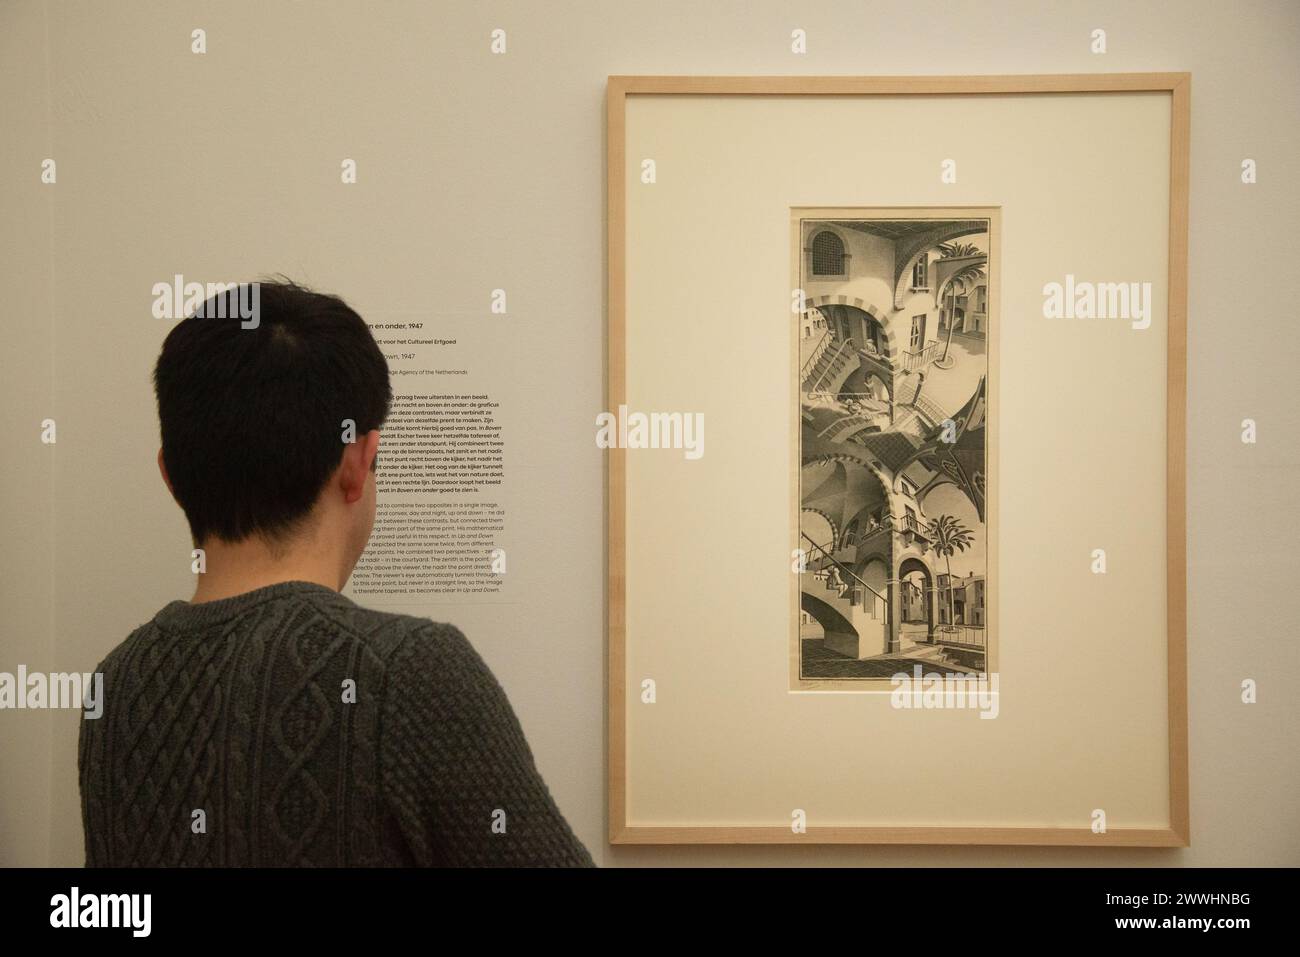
x,y
875,572
862,325
877,388
834,625
817,529
915,600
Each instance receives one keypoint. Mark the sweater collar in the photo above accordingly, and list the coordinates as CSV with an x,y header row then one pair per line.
x,y
184,614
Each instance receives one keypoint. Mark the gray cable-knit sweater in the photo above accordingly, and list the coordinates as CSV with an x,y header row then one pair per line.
x,y
309,731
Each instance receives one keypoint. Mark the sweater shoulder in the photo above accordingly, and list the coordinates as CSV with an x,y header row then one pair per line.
x,y
384,632
139,636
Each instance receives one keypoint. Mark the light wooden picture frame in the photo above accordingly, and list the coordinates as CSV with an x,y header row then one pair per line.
x,y
669,785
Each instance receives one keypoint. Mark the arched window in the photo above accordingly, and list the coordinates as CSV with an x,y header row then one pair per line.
x,y
920,273
827,254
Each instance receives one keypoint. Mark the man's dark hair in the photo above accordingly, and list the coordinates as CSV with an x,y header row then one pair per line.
x,y
253,418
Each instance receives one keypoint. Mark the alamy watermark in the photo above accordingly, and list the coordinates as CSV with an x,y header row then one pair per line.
x,y
1098,300
933,689
55,689
230,300
651,430
76,909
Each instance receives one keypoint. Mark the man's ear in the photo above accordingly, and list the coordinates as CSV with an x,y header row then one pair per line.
x,y
354,470
162,470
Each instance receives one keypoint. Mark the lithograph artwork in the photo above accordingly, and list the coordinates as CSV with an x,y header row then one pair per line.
x,y
895,335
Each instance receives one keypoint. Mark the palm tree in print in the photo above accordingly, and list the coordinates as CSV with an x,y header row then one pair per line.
x,y
967,275
947,536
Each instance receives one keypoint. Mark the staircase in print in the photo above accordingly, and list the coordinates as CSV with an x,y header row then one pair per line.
x,y
853,616
829,367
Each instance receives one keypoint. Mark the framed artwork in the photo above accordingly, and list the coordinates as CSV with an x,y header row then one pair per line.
x,y
896,398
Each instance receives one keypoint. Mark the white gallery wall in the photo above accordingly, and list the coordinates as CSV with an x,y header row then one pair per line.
x,y
479,171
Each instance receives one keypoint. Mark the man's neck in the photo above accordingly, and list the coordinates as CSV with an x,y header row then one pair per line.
x,y
235,568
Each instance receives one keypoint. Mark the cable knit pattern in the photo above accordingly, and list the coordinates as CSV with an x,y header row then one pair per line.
x,y
235,708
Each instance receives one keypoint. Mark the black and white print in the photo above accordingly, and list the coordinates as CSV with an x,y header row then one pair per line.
x,y
894,339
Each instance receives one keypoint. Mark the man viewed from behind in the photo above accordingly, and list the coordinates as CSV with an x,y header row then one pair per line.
x,y
270,721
